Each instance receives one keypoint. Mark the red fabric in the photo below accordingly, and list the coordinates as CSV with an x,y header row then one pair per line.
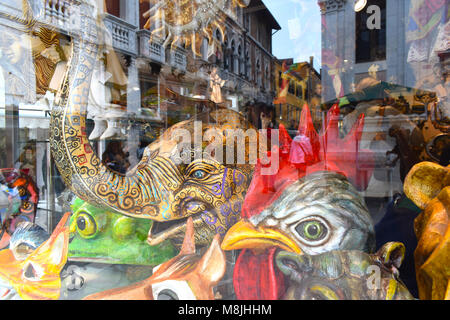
x,y
4,240
309,152
256,278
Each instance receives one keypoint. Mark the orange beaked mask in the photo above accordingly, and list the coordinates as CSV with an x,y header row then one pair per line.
x,y
37,276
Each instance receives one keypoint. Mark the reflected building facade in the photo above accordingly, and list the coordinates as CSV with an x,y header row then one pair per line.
x,y
397,41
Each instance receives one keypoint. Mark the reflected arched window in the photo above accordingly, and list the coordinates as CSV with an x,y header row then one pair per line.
x,y
258,70
247,65
241,60
233,57
226,60
218,35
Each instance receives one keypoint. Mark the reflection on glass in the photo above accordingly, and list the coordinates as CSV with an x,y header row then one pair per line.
x,y
287,125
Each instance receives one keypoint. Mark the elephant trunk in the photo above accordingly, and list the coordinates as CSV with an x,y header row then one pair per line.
x,y
82,171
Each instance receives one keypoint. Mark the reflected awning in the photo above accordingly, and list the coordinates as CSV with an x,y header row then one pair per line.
x,y
383,90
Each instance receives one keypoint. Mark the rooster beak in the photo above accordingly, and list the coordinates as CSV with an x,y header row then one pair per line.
x,y
243,235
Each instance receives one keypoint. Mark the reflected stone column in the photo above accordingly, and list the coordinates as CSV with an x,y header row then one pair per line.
x,y
333,46
133,108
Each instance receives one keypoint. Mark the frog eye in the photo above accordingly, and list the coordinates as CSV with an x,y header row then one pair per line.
x,y
86,225
124,227
312,230
199,174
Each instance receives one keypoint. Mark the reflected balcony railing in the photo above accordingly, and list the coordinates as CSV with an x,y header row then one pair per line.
x,y
123,34
178,58
152,50
55,13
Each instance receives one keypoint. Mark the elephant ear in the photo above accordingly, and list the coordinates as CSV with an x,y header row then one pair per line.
x,y
392,254
424,182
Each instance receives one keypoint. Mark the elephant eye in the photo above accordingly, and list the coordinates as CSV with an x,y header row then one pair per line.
x,y
199,174
86,225
312,230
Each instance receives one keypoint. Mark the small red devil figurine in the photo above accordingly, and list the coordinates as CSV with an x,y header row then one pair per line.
x,y
19,187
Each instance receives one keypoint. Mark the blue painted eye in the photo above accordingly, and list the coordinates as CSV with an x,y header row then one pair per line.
x,y
199,174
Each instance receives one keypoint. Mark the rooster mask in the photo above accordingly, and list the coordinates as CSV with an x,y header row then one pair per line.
x,y
310,205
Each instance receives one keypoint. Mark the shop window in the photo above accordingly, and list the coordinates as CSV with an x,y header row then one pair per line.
x,y
350,183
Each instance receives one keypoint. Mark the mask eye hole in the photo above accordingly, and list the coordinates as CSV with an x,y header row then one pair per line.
x,y
167,294
86,225
22,251
30,273
313,230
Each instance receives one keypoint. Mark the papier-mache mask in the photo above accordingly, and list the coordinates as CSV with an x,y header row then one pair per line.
x,y
158,188
344,275
310,204
102,236
188,276
428,186
36,276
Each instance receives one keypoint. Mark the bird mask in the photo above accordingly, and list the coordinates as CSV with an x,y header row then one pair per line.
x,y
310,204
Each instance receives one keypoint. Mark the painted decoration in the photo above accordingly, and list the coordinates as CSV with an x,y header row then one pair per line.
x,y
161,187
35,276
428,186
188,276
308,206
102,236
344,275
188,22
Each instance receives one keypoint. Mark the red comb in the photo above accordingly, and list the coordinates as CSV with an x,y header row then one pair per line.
x,y
310,152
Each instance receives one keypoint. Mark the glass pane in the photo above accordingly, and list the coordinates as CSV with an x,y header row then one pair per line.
x,y
282,149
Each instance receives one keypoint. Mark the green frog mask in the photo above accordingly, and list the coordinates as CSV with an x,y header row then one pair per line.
x,y
101,236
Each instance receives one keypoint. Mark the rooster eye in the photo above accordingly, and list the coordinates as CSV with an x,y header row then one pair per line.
x,y
312,230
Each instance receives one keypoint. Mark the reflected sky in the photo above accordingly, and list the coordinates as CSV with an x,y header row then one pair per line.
x,y
300,36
